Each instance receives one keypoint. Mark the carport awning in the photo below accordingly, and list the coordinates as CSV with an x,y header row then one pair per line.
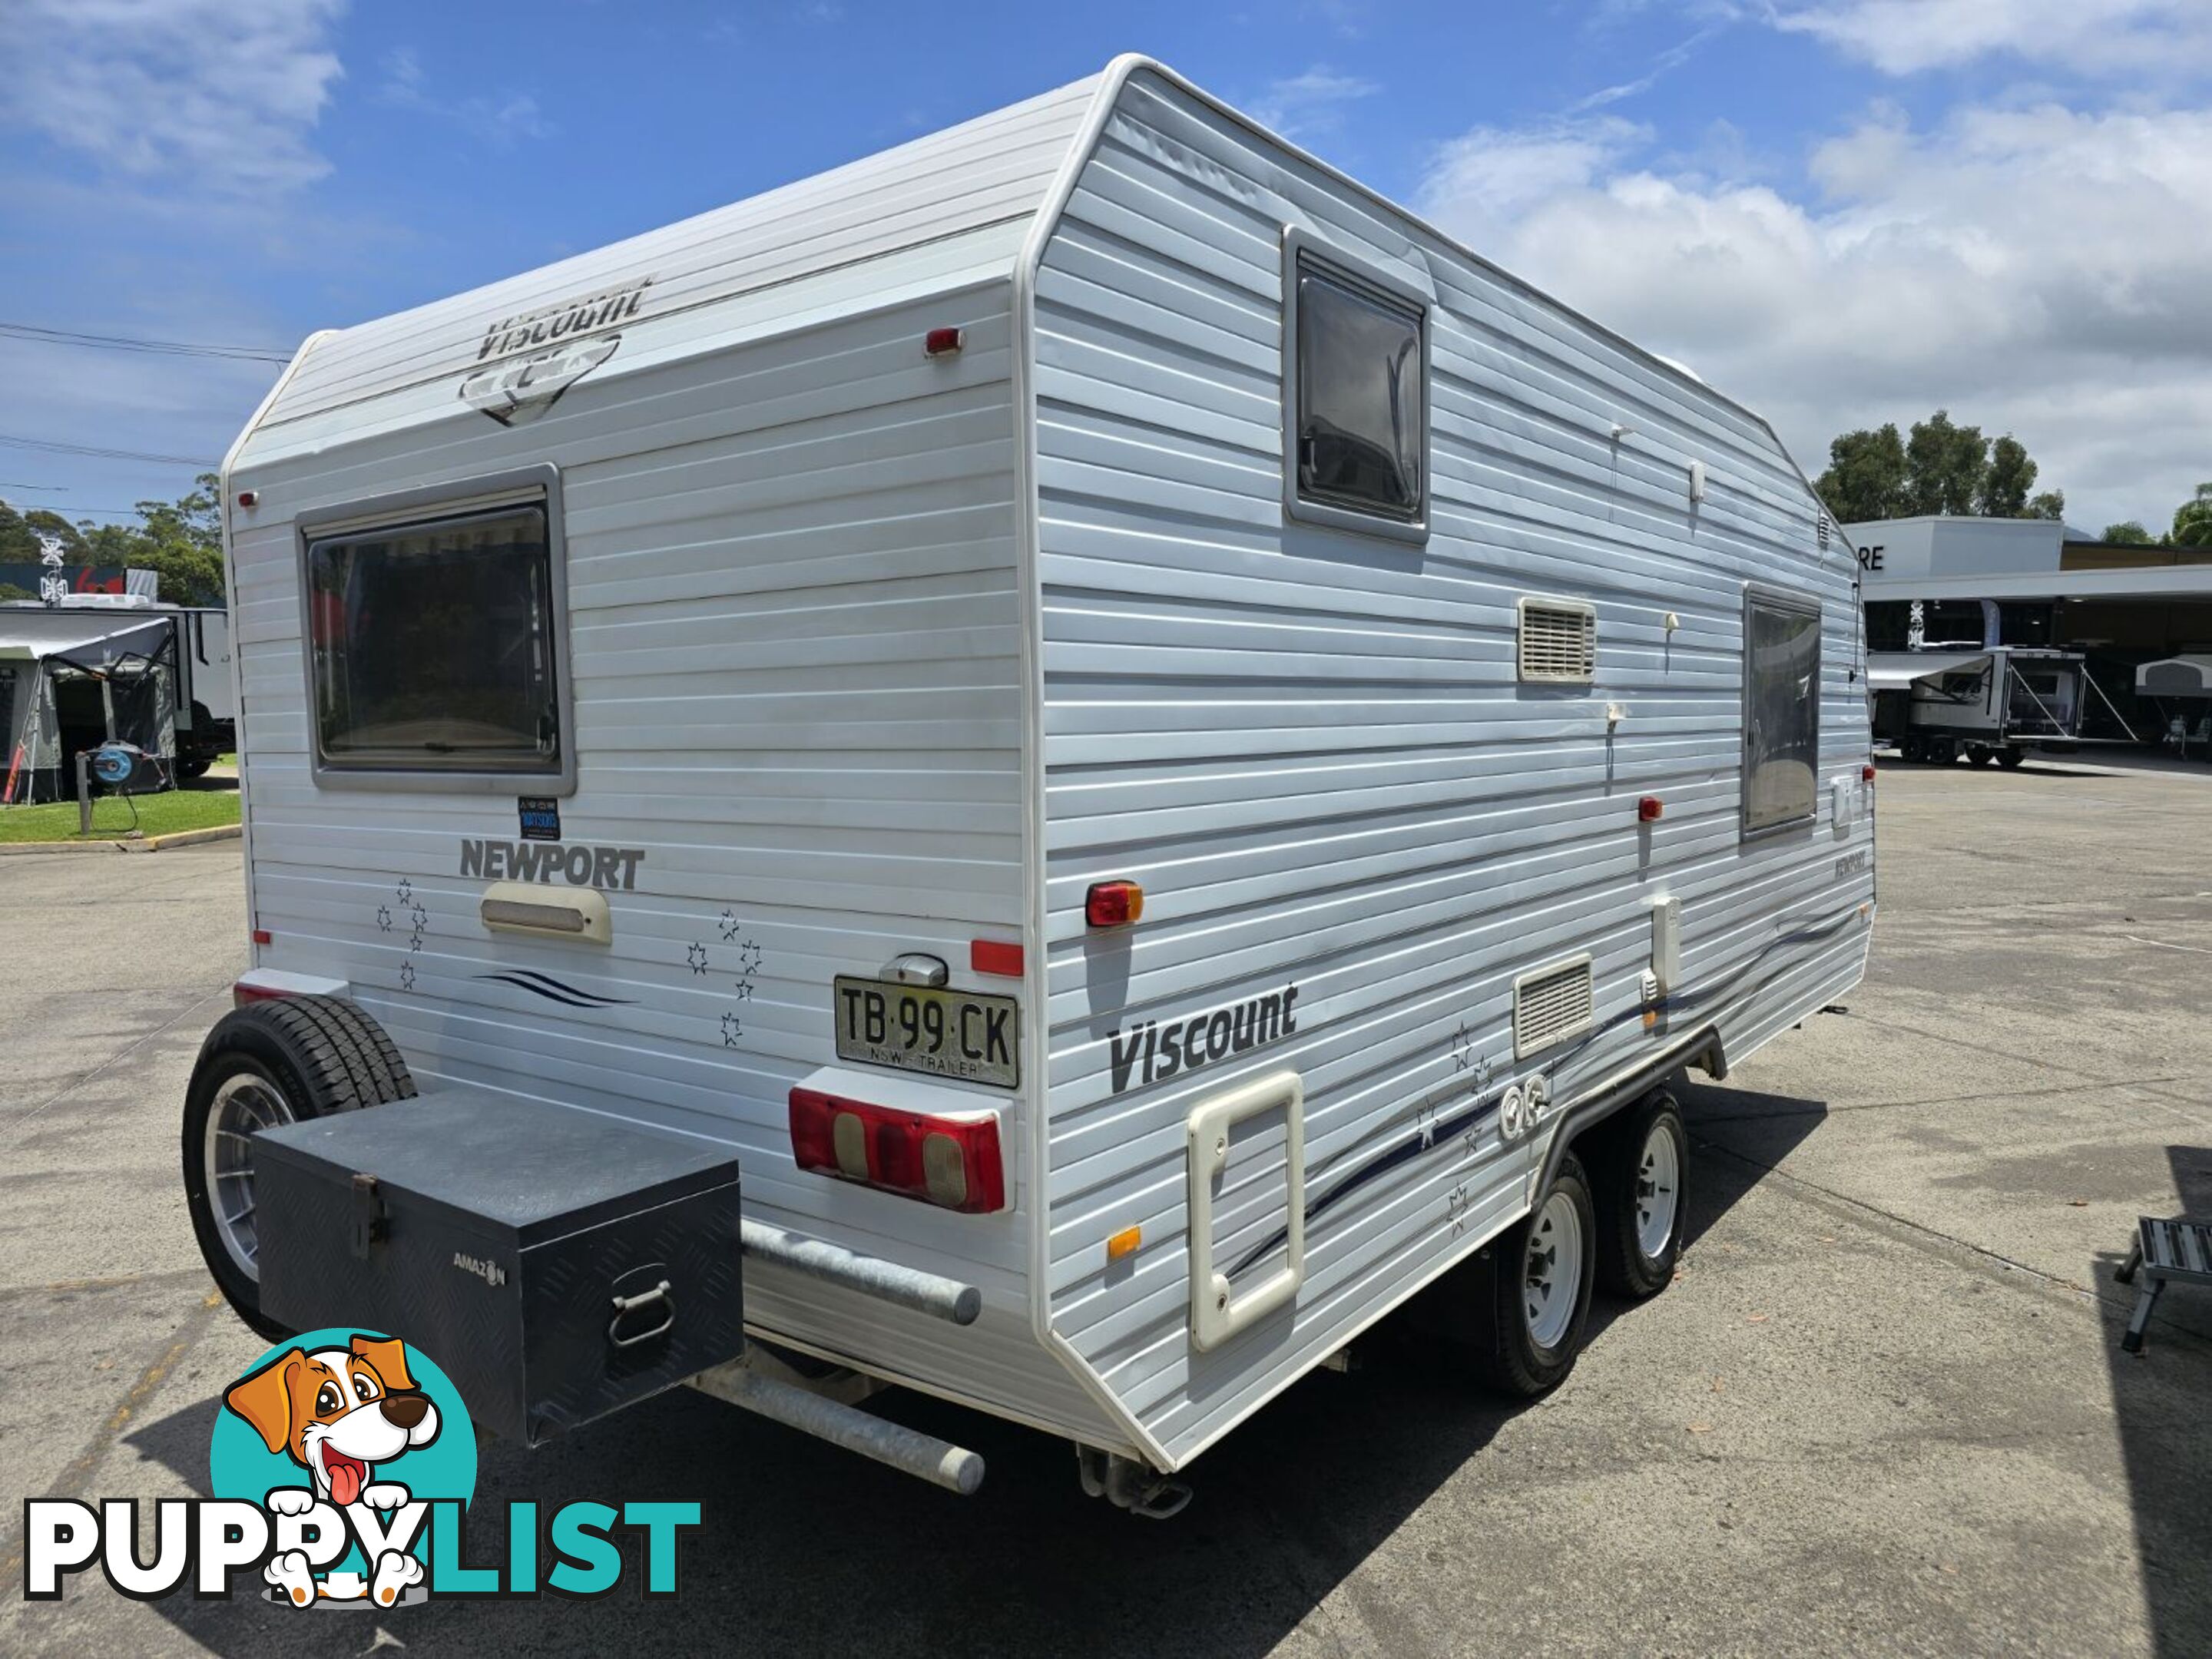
x,y
2175,677
87,637
1895,671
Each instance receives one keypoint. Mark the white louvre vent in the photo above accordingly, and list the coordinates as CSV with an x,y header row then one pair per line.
x,y
1558,641
1821,530
1550,1005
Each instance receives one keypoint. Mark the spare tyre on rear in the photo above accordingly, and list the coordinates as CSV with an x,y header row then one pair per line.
x,y
268,1063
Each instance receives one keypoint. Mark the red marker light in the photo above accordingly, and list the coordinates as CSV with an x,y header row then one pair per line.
x,y
1113,903
261,936
1865,772
942,342
992,956
248,497
1649,808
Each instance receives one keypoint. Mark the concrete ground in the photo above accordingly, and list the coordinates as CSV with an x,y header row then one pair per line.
x,y
1882,1411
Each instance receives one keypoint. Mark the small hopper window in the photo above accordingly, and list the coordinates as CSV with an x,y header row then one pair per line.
x,y
433,648
1357,397
1781,708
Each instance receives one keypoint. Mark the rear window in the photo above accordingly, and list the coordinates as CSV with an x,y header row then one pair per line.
x,y
1781,708
432,646
1361,407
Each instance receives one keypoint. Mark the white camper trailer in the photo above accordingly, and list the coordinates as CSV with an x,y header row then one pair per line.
x,y
1157,756
1993,704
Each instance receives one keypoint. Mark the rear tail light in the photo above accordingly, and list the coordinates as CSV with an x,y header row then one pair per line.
x,y
1650,809
261,936
952,1162
1866,773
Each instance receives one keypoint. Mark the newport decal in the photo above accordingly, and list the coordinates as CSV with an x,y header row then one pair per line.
x,y
614,868
1157,1050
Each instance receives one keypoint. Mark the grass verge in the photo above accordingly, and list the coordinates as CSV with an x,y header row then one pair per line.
x,y
157,815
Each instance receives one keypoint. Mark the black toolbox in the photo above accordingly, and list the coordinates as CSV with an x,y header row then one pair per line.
x,y
558,1265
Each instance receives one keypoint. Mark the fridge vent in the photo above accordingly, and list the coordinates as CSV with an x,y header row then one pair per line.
x,y
1550,1005
1558,641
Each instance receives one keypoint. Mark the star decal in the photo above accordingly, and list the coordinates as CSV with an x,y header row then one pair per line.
x,y
405,889
406,976
383,918
1457,1206
730,925
696,956
744,990
750,958
732,1028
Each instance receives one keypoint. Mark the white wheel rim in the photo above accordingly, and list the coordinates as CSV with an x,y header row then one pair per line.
x,y
1658,1191
244,1105
1553,1278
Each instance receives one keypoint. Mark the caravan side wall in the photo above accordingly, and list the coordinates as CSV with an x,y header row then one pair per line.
x,y
1310,747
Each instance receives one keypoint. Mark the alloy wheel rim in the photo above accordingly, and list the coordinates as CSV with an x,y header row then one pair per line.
x,y
1553,1275
244,1106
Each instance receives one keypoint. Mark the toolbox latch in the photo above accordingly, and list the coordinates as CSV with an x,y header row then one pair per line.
x,y
371,1222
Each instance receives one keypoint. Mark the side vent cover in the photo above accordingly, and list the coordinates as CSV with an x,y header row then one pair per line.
x,y
1558,641
1550,1005
1821,530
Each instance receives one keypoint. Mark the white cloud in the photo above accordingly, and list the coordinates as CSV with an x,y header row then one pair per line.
x,y
1304,106
1901,37
219,95
2039,270
502,119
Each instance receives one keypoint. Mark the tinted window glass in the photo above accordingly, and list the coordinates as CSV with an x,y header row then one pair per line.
x,y
432,646
1781,710
1361,434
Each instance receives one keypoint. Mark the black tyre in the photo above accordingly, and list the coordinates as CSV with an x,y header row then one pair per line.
x,y
1639,1172
2011,758
192,769
1527,1292
1981,756
265,1064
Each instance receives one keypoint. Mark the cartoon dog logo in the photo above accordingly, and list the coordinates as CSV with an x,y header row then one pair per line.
x,y
338,1412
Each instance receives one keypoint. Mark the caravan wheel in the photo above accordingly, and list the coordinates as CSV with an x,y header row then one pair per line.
x,y
1530,1290
2011,758
1639,1168
263,1064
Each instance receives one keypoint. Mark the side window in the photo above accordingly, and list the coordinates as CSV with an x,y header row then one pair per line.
x,y
1781,707
1356,400
434,649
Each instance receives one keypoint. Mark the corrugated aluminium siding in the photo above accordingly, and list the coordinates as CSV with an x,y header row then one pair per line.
x,y
1311,748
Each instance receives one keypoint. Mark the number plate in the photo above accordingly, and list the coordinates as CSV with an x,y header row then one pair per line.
x,y
912,1027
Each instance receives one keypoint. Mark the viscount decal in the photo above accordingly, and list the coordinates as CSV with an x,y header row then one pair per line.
x,y
1153,1052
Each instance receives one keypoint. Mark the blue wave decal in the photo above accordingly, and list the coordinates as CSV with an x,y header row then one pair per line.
x,y
554,990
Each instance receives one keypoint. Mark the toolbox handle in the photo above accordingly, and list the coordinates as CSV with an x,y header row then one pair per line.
x,y
627,1305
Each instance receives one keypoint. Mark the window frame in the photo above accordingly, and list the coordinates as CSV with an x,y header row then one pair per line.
x,y
536,486
1802,605
1302,250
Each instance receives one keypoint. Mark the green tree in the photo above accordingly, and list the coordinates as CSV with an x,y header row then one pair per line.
x,y
1940,468
1865,479
2128,532
1944,466
2006,481
180,541
2193,519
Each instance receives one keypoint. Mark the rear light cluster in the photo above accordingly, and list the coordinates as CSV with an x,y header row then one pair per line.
x,y
953,1163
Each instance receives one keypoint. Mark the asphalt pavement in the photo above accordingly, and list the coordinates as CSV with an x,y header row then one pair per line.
x,y
1883,1410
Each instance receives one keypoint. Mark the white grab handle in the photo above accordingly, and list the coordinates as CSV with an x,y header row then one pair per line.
x,y
1217,1313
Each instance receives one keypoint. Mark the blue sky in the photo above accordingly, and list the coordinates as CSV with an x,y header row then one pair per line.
x,y
1838,210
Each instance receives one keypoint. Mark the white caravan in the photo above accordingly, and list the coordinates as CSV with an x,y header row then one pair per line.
x,y
1160,756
